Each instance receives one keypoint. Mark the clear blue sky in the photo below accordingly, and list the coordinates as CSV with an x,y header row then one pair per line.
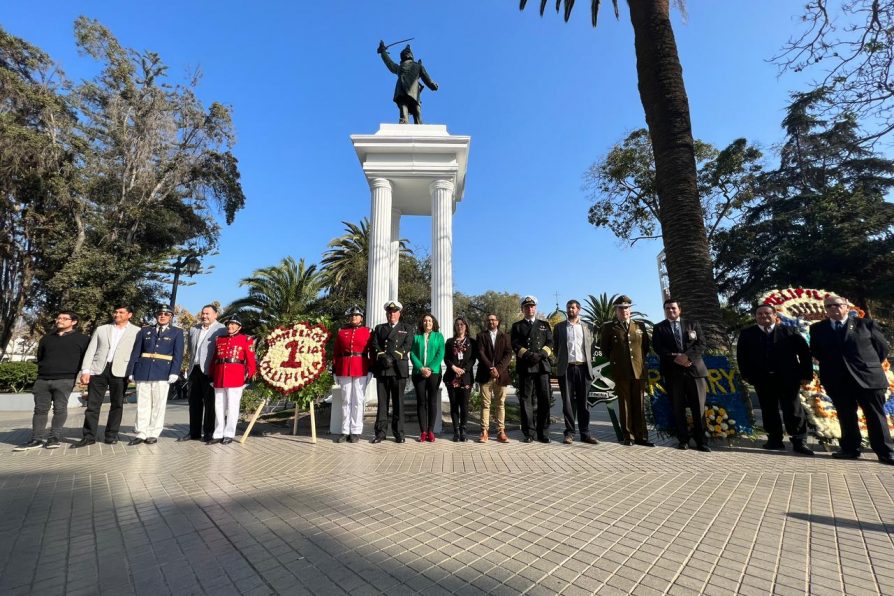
x,y
540,98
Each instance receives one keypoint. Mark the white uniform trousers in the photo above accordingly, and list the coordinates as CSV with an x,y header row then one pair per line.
x,y
226,411
353,394
152,398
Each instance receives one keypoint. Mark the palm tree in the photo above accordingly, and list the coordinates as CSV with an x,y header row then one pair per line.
x,y
278,295
666,107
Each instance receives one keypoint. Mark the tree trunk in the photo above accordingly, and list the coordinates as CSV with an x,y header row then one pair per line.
x,y
666,106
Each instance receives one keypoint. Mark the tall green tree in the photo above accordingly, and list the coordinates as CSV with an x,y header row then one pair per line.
x,y
476,308
666,108
37,176
623,189
821,219
156,170
278,295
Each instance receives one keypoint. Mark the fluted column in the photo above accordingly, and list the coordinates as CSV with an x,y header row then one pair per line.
x,y
379,271
442,253
395,254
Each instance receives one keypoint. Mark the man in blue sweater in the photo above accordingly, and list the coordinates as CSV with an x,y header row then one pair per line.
x,y
59,356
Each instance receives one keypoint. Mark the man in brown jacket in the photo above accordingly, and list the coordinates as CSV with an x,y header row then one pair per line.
x,y
494,356
625,343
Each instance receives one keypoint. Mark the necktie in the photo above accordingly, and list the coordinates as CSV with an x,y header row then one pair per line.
x,y
839,325
677,335
768,330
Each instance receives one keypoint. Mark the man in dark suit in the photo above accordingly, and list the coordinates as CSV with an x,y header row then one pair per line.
x,y
680,344
625,343
202,342
775,359
850,352
390,345
532,342
574,369
494,356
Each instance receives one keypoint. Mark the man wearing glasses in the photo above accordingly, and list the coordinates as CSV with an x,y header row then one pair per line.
x,y
850,352
59,357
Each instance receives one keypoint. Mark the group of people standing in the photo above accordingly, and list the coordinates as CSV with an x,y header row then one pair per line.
x,y
222,361
774,358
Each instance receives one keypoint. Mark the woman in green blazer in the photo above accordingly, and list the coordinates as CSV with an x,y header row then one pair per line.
x,y
427,355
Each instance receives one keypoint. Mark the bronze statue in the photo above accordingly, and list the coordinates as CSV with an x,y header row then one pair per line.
x,y
408,90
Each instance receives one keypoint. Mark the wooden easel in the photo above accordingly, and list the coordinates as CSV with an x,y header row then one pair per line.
x,y
313,424
254,418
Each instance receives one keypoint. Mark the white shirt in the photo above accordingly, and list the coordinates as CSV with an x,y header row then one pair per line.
x,y
203,333
493,337
114,339
575,342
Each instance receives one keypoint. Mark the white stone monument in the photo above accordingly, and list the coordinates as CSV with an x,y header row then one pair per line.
x,y
412,169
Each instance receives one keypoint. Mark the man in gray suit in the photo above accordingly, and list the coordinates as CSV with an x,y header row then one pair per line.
x,y
107,364
202,338
573,341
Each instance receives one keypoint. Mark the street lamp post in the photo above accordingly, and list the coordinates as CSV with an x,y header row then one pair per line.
x,y
190,265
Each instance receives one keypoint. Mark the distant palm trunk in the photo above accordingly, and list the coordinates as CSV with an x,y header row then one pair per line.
x,y
666,107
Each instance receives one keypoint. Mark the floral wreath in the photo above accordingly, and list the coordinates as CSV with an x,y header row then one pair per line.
x,y
296,356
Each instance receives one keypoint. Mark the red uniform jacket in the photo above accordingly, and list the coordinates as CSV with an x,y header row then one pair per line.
x,y
233,361
351,352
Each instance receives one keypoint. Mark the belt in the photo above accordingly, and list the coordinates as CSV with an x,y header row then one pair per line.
x,y
156,356
577,363
349,354
228,361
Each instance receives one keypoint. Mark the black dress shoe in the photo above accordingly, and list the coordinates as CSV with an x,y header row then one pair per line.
x,y
846,455
111,441
683,446
206,438
456,437
886,460
644,443
188,437
627,442
84,443
226,440
340,439
543,439
400,440
353,438
377,439
704,448
802,449
151,441
773,446
528,439
462,437
214,442
133,442
589,440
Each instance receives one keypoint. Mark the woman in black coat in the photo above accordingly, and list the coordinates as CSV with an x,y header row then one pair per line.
x,y
459,357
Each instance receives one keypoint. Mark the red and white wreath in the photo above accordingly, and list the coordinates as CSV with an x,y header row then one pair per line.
x,y
295,357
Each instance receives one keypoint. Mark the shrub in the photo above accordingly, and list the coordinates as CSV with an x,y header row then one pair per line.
x,y
15,377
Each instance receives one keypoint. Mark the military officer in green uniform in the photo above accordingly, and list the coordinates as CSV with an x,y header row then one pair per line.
x,y
625,343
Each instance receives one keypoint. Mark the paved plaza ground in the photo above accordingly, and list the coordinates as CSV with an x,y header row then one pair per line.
x,y
280,515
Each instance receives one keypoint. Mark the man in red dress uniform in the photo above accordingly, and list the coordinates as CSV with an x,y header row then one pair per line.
x,y
351,366
232,366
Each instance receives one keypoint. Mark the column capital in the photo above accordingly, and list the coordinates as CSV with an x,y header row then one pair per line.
x,y
375,183
441,184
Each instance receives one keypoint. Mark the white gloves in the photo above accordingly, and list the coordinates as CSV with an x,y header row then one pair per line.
x,y
172,378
